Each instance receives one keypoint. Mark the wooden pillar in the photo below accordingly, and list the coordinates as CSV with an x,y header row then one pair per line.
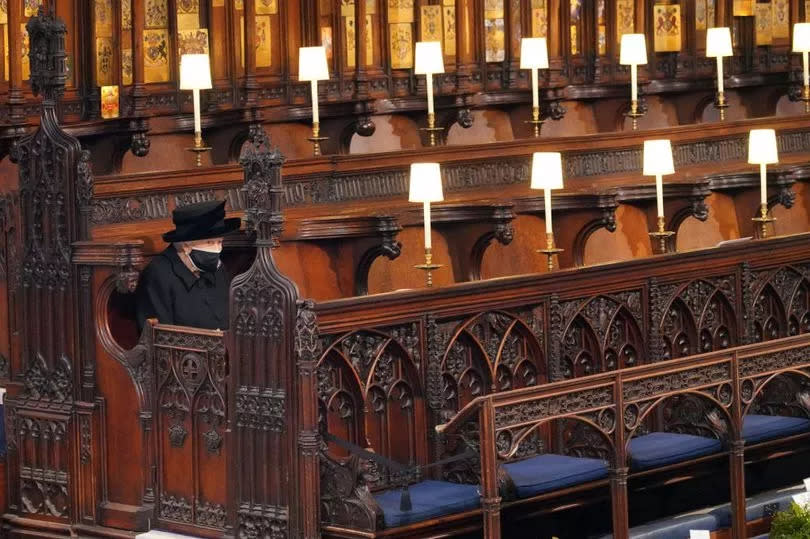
x,y
720,12
360,77
16,99
251,87
618,469
465,42
555,32
737,455
490,501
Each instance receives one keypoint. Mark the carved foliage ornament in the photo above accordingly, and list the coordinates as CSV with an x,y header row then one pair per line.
x,y
47,54
262,164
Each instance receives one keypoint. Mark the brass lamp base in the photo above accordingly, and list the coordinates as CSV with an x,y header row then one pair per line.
x,y
806,98
634,113
721,105
431,129
536,122
763,220
550,251
662,235
198,148
316,139
428,267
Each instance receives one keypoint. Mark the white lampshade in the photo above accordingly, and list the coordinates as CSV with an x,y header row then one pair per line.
x,y
547,170
429,58
533,53
312,64
195,72
801,37
633,50
718,42
762,147
426,183
658,158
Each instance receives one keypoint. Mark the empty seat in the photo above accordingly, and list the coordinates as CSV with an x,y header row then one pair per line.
x,y
662,448
429,499
758,428
544,473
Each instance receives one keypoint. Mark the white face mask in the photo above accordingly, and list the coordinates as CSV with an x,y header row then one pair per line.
x,y
206,246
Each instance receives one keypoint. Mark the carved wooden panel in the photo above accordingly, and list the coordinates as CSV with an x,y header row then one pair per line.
x,y
780,303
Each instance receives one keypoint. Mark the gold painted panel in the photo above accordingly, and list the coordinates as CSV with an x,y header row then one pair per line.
x,y
371,7
347,8
763,24
31,8
574,39
601,28
156,55
400,11
326,41
369,41
667,25
104,61
449,23
493,9
781,19
109,102
126,15
700,15
103,18
239,5
3,11
188,6
218,3
26,43
431,23
495,40
126,67
401,46
157,14
266,7
625,18
188,21
807,10
263,51
5,48
539,22
743,8
192,41
711,17
351,42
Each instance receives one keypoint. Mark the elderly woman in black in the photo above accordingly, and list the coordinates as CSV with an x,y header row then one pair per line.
x,y
186,284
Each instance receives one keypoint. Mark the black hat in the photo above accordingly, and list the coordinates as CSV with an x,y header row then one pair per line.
x,y
200,221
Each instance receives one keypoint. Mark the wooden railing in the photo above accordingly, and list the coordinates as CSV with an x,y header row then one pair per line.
x,y
615,404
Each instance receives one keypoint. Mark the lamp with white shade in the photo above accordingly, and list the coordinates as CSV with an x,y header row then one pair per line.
x,y
428,61
534,56
658,162
718,45
195,75
801,43
547,174
762,151
633,53
312,67
426,187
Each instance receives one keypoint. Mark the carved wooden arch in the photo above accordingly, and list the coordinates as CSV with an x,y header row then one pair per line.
x,y
700,108
759,389
604,432
621,311
697,209
697,320
771,289
606,221
356,396
684,342
514,326
646,413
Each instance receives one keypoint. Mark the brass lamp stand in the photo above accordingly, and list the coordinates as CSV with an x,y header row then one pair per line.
x,y
536,122
431,129
550,251
634,113
316,139
806,98
661,234
198,148
721,105
428,267
763,220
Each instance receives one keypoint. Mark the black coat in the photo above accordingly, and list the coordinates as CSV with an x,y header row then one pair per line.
x,y
169,291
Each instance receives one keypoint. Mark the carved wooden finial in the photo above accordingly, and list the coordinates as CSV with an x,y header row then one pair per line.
x,y
262,163
47,55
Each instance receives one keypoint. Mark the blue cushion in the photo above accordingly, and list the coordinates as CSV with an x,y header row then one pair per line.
x,y
549,472
756,506
429,499
662,448
757,428
675,527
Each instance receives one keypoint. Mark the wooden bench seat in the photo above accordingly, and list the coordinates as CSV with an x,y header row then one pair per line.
x,y
549,472
759,428
429,499
662,448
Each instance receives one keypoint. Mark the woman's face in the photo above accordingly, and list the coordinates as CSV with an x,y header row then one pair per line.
x,y
212,245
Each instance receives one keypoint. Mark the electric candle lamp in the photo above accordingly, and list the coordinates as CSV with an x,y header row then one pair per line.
x,y
534,56
195,75
547,174
426,187
312,67
428,61
634,54
762,151
658,162
718,45
801,43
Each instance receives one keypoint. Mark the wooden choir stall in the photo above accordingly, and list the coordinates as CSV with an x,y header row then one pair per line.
x,y
405,364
